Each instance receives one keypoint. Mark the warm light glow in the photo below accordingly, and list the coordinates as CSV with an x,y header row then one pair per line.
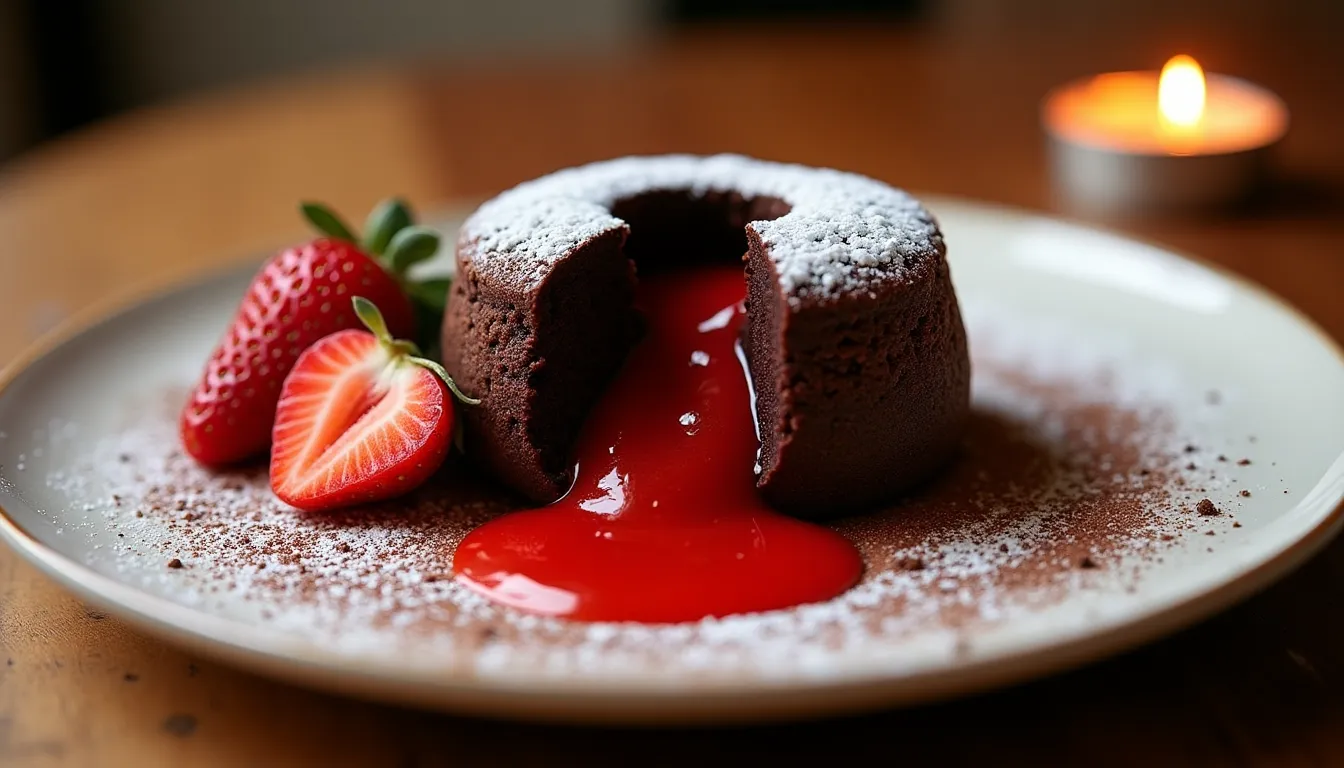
x,y
1179,111
1180,91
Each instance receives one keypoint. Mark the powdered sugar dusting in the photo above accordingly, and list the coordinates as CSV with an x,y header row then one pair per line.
x,y
845,233
1072,483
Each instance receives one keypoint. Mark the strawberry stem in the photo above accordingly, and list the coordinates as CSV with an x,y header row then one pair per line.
x,y
372,319
326,221
442,373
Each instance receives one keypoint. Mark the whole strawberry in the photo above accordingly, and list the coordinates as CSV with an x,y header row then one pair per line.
x,y
299,296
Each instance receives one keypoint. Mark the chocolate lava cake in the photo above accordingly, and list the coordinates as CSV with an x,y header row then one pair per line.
x,y
853,339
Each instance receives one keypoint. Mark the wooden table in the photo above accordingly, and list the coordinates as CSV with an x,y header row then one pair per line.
x,y
176,189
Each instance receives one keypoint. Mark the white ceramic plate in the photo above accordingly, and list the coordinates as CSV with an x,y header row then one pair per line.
x,y
1176,329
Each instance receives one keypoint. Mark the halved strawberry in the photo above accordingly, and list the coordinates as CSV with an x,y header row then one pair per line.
x,y
299,296
361,417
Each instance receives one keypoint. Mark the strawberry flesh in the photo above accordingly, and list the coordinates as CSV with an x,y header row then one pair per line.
x,y
298,297
356,422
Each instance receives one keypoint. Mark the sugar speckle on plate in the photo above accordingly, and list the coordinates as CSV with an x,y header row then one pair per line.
x,y
1070,482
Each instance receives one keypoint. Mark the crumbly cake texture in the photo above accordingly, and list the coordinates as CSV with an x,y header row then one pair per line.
x,y
852,323
844,232
1080,469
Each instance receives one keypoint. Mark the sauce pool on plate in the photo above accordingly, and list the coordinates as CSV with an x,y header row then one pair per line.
x,y
663,522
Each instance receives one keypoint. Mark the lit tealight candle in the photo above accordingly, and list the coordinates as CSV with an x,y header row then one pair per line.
x,y
1149,140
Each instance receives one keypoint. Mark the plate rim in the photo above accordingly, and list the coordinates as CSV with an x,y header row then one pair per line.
x,y
621,698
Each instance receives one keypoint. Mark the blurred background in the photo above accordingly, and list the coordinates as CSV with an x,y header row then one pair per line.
x,y
149,141
65,63
142,137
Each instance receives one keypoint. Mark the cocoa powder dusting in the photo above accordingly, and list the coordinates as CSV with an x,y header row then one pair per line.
x,y
1065,482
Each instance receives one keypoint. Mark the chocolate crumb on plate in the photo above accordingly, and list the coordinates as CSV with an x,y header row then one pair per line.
x,y
1243,462
1206,508
1244,493
1068,464
175,563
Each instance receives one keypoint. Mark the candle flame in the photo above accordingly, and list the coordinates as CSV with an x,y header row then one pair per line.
x,y
1180,91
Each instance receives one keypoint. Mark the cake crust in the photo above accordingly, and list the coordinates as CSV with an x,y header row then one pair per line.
x,y
853,339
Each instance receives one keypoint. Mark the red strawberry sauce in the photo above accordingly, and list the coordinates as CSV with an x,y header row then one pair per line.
x,y
663,523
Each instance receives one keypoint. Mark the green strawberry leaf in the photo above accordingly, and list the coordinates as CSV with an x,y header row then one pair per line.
x,y
368,314
411,246
326,221
384,222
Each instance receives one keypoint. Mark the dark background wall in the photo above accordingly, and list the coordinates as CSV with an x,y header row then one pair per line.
x,y
64,63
